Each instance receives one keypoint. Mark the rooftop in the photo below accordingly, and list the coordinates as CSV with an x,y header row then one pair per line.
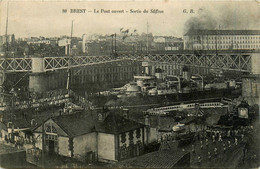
x,y
158,159
222,32
75,124
83,123
115,124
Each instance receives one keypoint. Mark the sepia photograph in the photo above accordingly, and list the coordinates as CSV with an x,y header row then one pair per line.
x,y
129,84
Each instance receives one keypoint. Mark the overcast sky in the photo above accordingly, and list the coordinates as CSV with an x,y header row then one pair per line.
x,y
45,18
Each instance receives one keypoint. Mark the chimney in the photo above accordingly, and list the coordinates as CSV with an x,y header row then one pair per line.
x,y
126,113
102,114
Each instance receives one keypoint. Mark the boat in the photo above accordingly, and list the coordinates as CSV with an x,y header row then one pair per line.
x,y
178,127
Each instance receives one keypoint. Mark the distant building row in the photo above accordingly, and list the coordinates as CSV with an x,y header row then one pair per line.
x,y
132,44
221,39
7,38
143,43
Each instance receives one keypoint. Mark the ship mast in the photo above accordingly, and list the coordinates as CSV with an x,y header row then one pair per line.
x,y
6,42
6,28
69,58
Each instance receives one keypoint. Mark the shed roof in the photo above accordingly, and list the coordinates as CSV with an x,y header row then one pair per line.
x,y
75,124
83,123
116,124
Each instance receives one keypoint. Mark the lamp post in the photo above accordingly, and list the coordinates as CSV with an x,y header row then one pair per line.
x,y
43,145
115,42
112,48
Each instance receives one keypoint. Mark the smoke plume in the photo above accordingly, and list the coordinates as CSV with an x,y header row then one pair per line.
x,y
204,20
227,17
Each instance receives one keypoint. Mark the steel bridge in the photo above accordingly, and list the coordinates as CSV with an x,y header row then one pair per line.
x,y
229,61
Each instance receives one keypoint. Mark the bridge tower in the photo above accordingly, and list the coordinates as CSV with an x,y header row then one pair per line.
x,y
38,79
251,83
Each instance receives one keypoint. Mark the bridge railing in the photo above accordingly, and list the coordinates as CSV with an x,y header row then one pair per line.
x,y
51,63
15,64
237,62
229,61
241,62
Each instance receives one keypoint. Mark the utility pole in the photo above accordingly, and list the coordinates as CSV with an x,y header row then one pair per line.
x,y
147,43
115,42
71,33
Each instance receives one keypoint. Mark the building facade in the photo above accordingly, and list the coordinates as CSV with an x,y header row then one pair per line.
x,y
222,39
167,43
251,88
7,38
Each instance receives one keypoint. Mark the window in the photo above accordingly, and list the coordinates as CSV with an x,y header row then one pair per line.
x,y
49,128
138,133
51,137
54,129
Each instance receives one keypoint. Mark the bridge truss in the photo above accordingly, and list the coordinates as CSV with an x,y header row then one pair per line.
x,y
15,64
54,63
236,62
223,62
